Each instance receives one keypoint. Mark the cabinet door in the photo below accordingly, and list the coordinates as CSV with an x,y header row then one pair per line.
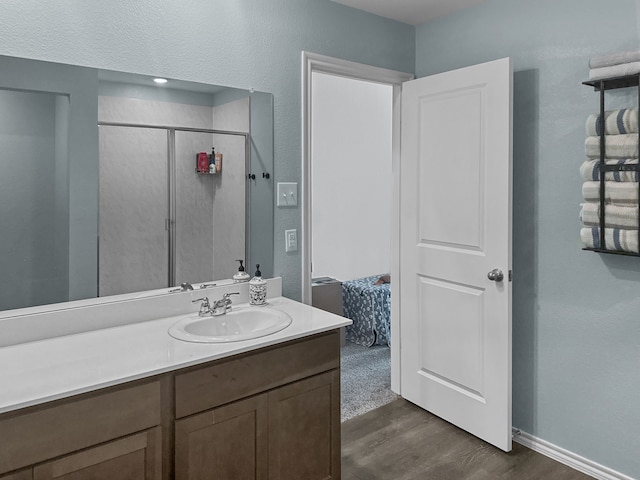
x,y
304,429
225,443
22,475
137,457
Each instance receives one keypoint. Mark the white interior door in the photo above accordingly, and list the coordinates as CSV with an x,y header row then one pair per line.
x,y
455,203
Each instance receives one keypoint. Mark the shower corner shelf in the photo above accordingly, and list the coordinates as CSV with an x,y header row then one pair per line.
x,y
602,85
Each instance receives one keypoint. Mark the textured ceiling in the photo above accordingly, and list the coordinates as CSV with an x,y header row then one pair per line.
x,y
413,12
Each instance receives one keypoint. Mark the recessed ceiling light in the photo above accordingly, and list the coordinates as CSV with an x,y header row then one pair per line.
x,y
160,80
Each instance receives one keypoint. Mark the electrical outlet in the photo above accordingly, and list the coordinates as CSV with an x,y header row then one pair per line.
x,y
290,240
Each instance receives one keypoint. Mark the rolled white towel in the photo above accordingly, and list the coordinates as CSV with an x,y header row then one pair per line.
x,y
616,122
616,146
615,216
612,71
590,170
614,238
614,59
617,193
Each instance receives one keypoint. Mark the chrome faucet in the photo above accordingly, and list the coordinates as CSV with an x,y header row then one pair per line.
x,y
222,306
183,288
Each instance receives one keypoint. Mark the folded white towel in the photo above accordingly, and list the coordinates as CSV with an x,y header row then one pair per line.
x,y
616,146
617,193
616,122
614,59
620,70
615,216
614,238
590,170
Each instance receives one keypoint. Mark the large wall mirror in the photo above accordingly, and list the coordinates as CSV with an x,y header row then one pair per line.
x,y
101,193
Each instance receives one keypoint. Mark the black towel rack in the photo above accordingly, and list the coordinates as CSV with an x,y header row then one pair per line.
x,y
602,85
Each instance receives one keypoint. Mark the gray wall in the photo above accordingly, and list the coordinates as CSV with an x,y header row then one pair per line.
x,y
576,328
81,86
33,199
261,191
244,43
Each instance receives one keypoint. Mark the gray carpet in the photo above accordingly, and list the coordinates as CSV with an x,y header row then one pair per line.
x,y
365,379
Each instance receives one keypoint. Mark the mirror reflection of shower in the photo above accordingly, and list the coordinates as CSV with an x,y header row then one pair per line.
x,y
161,222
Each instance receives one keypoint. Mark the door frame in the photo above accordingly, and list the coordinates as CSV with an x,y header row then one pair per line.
x,y
313,62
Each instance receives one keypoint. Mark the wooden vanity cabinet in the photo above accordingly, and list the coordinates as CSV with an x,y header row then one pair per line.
x,y
287,427
272,413
112,433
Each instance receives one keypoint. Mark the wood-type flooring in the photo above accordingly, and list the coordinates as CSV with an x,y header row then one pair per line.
x,y
400,441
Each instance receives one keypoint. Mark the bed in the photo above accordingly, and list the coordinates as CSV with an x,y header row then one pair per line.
x,y
369,307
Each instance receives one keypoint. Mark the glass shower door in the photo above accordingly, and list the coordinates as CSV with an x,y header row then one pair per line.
x,y
194,195
210,210
133,210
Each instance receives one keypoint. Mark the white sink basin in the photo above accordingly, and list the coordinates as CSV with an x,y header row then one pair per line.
x,y
242,323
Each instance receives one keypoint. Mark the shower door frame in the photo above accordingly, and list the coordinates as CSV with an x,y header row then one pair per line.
x,y
170,221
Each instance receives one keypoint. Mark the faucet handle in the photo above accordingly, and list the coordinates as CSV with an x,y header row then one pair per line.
x,y
226,301
205,307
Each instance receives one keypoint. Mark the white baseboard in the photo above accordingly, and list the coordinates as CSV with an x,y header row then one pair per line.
x,y
571,459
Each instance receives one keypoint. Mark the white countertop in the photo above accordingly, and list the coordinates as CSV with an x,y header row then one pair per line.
x,y
39,371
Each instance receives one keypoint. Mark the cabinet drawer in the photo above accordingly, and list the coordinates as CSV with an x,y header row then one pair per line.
x,y
41,433
137,457
228,380
23,475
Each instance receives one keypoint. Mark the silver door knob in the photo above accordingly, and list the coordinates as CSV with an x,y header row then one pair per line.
x,y
495,275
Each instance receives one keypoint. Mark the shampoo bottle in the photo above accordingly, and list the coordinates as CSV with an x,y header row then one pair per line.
x,y
212,161
218,161
258,289
241,275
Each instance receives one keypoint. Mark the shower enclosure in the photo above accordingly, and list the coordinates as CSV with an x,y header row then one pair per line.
x,y
160,222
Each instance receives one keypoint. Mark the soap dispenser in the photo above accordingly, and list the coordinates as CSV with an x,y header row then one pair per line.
x,y
241,275
258,289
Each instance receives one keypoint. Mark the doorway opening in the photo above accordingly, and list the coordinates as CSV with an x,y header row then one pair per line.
x,y
351,147
351,135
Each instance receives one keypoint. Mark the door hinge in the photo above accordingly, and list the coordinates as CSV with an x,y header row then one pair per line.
x,y
510,275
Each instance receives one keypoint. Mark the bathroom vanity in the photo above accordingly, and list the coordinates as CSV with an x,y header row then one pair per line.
x,y
131,402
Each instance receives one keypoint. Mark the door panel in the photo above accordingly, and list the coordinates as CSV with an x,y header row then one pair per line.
x,y
304,429
224,443
455,200
451,337
443,116
133,208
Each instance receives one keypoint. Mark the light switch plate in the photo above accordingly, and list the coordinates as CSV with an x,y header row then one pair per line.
x,y
287,194
290,240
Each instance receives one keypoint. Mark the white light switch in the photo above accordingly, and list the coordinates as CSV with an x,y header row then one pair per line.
x,y
290,240
287,194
